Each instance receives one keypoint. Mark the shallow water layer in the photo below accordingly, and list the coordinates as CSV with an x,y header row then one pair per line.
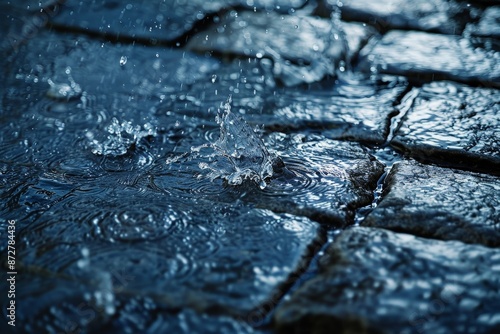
x,y
102,171
183,172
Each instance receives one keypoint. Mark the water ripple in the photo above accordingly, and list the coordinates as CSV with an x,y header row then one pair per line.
x,y
125,223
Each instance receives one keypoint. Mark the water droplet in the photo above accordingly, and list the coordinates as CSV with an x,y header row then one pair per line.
x,y
63,91
85,252
123,60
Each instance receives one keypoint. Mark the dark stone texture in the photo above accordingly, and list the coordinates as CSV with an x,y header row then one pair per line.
x,y
440,203
428,56
435,15
249,82
453,125
376,281
58,304
356,110
105,68
131,217
324,180
206,256
286,39
154,21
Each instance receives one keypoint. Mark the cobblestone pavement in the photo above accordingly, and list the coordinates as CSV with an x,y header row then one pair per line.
x,y
257,166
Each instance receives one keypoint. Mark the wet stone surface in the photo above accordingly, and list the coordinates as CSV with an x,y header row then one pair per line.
x,y
249,82
323,179
188,166
72,307
156,247
11,22
373,280
440,203
186,321
447,17
153,21
429,56
100,67
453,125
356,109
285,39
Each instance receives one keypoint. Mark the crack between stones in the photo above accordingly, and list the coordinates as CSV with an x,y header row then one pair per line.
x,y
178,42
363,212
402,105
262,316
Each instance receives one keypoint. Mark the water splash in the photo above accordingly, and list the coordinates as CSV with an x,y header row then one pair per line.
x,y
122,137
243,149
64,91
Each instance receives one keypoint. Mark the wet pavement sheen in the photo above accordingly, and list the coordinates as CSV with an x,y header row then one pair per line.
x,y
250,166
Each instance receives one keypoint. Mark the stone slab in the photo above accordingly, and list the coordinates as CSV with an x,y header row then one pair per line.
x,y
426,56
324,180
453,125
357,110
448,17
156,21
216,258
104,68
440,203
356,35
286,39
375,281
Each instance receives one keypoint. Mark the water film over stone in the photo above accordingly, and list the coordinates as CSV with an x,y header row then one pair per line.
x,y
257,166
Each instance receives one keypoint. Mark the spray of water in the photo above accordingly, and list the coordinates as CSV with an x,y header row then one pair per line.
x,y
240,154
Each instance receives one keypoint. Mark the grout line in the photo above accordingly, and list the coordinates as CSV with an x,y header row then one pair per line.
x,y
405,103
262,316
